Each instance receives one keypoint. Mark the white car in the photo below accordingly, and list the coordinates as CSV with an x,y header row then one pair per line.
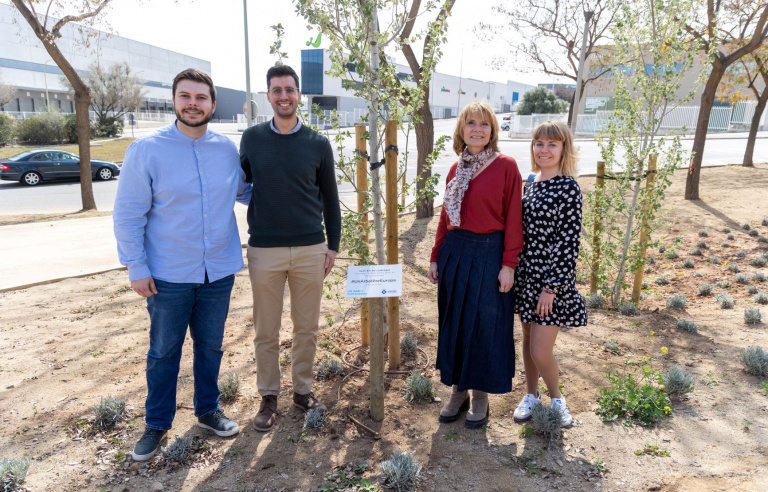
x,y
505,125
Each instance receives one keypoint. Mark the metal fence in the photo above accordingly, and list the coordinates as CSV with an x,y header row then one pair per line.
x,y
721,119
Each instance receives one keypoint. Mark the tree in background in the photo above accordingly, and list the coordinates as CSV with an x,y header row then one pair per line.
x,y
648,87
746,73
85,12
548,33
114,90
730,31
6,92
541,101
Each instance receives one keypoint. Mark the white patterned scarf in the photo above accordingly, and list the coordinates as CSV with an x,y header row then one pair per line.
x,y
454,192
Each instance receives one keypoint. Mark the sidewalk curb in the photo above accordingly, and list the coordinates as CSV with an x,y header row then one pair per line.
x,y
54,280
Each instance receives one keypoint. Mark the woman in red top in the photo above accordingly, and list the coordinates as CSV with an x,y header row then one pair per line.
x,y
473,262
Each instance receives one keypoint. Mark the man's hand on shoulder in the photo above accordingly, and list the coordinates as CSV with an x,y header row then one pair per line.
x,y
145,287
330,259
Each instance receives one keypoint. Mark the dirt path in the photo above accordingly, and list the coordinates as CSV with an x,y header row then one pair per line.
x,y
68,344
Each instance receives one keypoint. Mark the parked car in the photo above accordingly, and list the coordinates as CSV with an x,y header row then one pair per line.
x,y
505,125
508,117
33,166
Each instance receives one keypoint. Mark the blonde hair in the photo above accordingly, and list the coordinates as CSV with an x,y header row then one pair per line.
x,y
483,109
557,130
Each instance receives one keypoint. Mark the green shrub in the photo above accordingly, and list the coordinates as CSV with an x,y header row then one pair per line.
x,y
714,260
723,284
762,239
633,396
662,280
724,300
740,254
733,267
761,298
401,471
751,289
109,411
547,421
409,346
741,278
706,289
330,367
13,473
730,237
765,221
678,381
701,245
726,230
758,262
697,252
754,233
672,254
180,450
418,387
628,309
110,127
703,233
229,386
613,346
755,361
7,123
314,419
41,129
677,301
752,316
688,263
594,301
745,226
684,324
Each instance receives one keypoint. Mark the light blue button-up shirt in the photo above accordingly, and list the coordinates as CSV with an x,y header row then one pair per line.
x,y
173,215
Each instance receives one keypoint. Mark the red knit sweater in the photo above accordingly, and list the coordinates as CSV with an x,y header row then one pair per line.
x,y
493,202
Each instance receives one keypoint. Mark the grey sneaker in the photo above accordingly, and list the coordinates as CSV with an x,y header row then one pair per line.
x,y
148,445
525,408
565,414
218,423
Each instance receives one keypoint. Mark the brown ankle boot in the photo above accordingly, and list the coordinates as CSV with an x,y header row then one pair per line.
x,y
458,402
478,414
265,419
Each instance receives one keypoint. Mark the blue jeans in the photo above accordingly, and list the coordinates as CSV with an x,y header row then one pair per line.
x,y
204,308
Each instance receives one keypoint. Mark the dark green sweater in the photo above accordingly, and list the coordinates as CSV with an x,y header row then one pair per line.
x,y
294,188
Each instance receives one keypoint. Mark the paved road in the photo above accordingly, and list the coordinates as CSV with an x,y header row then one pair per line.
x,y
65,197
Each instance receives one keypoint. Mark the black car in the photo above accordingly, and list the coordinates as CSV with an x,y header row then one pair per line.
x,y
33,166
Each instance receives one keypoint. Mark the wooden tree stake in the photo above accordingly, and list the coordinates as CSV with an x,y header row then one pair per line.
x,y
393,303
649,183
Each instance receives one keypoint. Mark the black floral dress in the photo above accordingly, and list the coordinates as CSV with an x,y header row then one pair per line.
x,y
551,231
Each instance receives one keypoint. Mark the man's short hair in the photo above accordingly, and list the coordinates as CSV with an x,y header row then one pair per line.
x,y
281,71
196,76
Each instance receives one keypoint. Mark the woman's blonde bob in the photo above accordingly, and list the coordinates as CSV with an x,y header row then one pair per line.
x,y
484,110
557,130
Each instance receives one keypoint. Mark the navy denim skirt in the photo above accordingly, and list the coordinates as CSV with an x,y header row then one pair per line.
x,y
475,348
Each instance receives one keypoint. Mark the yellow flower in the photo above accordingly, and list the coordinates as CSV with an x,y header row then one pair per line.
x,y
604,365
653,332
664,349
661,386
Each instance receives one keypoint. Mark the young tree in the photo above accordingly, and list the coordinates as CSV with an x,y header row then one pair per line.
x,y
747,72
730,31
6,93
648,87
114,90
549,32
87,12
347,23
541,101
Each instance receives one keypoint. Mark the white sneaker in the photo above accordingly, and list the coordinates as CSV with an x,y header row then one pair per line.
x,y
525,408
565,414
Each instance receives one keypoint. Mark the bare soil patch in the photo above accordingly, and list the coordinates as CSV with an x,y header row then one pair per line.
x,y
68,344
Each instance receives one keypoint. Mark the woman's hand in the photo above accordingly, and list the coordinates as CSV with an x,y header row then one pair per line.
x,y
432,273
544,307
506,278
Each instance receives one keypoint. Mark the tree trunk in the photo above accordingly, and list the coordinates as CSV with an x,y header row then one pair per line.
x,y
754,127
702,125
83,123
425,144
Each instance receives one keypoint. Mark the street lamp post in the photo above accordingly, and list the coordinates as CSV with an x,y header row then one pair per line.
x,y
576,99
45,78
248,110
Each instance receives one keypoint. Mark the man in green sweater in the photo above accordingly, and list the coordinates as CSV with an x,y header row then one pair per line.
x,y
294,193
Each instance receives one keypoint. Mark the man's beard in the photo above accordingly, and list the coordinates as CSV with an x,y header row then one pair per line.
x,y
204,121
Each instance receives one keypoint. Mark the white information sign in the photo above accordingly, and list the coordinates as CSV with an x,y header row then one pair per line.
x,y
375,281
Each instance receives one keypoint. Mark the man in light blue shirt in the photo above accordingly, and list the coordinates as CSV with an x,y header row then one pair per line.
x,y
177,235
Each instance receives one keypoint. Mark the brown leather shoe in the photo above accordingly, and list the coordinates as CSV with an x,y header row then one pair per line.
x,y
265,419
308,402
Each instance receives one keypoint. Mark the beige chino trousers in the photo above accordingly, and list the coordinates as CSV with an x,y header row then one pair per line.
x,y
269,268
